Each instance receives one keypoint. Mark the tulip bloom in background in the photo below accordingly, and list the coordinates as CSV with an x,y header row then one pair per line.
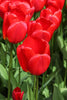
x,y
17,94
34,55
14,30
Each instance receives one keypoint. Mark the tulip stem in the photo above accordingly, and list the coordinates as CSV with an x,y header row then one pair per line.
x,y
36,93
10,64
19,76
34,84
65,75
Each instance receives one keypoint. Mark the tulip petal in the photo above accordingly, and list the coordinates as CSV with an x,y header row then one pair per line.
x,y
33,26
9,18
37,45
41,35
16,32
39,64
21,58
46,12
24,54
46,23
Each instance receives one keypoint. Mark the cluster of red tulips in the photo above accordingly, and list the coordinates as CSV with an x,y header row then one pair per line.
x,y
34,53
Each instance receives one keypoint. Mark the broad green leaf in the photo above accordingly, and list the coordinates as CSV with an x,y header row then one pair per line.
x,y
64,93
3,72
57,94
2,97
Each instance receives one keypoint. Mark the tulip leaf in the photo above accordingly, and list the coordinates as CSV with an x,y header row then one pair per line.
x,y
3,72
2,97
49,79
64,93
57,94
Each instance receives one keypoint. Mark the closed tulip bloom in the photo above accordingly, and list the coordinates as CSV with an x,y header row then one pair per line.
x,y
34,55
55,18
35,30
38,4
33,26
22,10
14,30
17,94
58,4
48,26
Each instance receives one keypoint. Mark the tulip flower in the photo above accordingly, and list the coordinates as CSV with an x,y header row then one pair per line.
x,y
35,30
33,26
48,26
55,18
17,94
58,4
38,4
14,30
22,10
34,55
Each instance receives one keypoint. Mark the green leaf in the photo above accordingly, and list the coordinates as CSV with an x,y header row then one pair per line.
x,y
57,94
3,46
49,79
3,72
13,81
64,93
2,97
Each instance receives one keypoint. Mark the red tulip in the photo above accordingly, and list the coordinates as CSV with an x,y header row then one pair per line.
x,y
55,18
41,34
46,12
22,10
33,26
38,4
34,55
48,26
58,4
13,29
17,94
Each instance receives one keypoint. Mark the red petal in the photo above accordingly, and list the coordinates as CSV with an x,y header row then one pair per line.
x,y
39,64
38,4
16,32
44,22
21,58
33,26
24,54
22,10
37,45
41,35
51,30
56,3
46,12
3,7
9,19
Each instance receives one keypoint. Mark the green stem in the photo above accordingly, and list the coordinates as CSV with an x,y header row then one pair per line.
x,y
10,65
36,97
65,75
19,76
43,79
34,85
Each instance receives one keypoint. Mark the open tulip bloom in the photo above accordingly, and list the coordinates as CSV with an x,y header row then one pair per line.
x,y
34,55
